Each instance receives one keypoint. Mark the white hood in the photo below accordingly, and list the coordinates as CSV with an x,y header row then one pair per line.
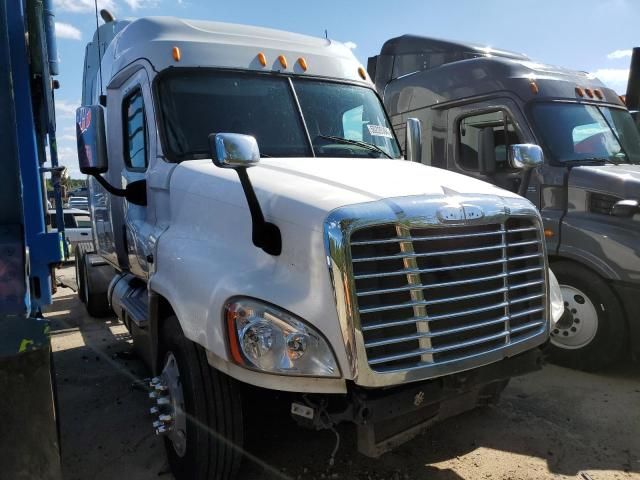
x,y
305,190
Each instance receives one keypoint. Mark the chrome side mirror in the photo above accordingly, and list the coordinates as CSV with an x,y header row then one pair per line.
x,y
625,208
525,156
233,150
413,140
91,140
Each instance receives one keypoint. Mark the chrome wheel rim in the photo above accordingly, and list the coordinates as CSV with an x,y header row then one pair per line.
x,y
581,327
177,429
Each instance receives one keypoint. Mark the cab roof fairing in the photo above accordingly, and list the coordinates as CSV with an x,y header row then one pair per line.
x,y
225,45
486,75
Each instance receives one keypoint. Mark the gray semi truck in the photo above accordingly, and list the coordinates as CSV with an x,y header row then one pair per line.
x,y
471,104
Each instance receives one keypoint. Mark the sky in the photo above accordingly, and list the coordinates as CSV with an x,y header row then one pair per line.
x,y
590,35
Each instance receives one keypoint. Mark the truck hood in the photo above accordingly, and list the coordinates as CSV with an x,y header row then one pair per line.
x,y
305,190
621,181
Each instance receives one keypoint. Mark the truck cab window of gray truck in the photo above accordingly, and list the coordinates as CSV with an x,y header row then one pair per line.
x,y
135,131
579,132
335,117
484,141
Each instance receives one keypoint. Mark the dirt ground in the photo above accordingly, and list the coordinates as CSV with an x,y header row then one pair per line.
x,y
556,423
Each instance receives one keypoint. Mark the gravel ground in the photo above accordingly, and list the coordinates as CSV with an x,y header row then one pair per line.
x,y
555,423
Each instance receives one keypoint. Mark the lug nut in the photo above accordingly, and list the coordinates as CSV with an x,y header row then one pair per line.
x,y
153,395
161,430
165,418
162,400
160,387
155,380
154,411
157,424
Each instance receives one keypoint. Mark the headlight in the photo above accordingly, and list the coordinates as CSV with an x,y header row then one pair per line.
x,y
264,337
557,302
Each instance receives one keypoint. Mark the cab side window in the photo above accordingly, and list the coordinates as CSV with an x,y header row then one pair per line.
x,y
484,141
135,131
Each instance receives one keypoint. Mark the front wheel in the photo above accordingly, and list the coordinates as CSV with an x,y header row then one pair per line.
x,y
591,334
200,413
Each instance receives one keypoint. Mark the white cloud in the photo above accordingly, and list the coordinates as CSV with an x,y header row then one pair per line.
x,y
82,6
66,108
137,4
616,54
615,78
66,30
350,45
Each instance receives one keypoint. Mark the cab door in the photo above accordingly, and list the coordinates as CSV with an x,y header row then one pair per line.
x,y
136,148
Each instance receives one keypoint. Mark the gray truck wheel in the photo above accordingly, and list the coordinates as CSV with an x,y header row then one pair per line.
x,y
210,445
95,283
593,335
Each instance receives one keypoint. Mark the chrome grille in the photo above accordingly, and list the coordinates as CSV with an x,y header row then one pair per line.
x,y
438,295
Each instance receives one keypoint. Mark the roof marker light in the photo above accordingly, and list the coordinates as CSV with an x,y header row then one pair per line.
x,y
623,99
579,91
262,59
589,92
176,54
598,93
283,61
303,64
362,72
534,87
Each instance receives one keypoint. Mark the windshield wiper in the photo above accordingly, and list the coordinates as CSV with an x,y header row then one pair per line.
x,y
368,146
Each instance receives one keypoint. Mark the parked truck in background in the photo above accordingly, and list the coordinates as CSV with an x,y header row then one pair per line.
x,y
473,103
373,290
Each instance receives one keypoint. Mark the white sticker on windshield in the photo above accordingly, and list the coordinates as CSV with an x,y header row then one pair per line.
x,y
379,131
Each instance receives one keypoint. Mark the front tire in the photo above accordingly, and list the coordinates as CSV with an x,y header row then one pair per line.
x,y
593,335
211,446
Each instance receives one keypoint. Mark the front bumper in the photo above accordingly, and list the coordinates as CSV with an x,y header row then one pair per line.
x,y
388,417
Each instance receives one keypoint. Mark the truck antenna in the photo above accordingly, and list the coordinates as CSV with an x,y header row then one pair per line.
x,y
95,3
326,34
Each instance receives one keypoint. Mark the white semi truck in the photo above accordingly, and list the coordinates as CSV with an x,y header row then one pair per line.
x,y
257,230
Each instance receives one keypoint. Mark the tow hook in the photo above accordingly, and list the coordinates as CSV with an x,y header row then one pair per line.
x,y
163,422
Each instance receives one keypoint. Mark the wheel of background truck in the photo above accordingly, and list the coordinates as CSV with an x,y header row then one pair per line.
x,y
78,254
210,448
593,336
95,283
78,259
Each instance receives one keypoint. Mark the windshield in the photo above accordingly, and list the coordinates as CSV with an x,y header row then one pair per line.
x,y
578,132
333,119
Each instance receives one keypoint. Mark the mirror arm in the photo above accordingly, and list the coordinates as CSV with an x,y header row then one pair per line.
x,y
524,183
136,192
265,235
118,192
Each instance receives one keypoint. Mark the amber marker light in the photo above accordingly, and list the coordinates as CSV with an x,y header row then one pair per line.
x,y
598,93
283,61
579,91
589,92
623,99
534,87
548,233
262,59
234,346
363,73
303,64
176,54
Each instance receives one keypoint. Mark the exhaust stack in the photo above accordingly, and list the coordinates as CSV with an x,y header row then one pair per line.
x,y
633,87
